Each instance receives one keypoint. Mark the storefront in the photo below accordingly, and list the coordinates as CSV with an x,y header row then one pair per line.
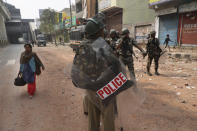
x,y
168,24
188,25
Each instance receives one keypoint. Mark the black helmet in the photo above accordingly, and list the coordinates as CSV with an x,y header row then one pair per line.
x,y
152,32
125,31
95,24
112,31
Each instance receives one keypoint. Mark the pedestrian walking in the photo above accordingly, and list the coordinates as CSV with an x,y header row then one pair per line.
x,y
154,52
167,40
30,65
126,52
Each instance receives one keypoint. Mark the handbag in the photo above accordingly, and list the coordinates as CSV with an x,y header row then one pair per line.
x,y
19,81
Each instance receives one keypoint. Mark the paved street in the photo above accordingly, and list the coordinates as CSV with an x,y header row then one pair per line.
x,y
170,103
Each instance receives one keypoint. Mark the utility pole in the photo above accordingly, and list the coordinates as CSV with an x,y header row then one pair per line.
x,y
71,22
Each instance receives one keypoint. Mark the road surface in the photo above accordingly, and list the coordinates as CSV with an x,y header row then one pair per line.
x,y
170,104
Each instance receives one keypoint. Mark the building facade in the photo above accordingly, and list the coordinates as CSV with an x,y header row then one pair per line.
x,y
187,29
114,14
4,16
178,19
18,28
132,14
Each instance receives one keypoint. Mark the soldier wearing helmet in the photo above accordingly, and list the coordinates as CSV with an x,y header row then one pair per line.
x,y
154,51
90,66
112,41
126,52
117,35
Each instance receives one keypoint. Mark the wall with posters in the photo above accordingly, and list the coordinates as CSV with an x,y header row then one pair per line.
x,y
188,28
168,24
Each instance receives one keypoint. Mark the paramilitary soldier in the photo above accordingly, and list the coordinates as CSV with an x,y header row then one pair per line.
x,y
126,53
154,52
87,63
113,41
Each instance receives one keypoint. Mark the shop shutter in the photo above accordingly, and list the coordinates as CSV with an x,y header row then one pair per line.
x,y
168,25
188,31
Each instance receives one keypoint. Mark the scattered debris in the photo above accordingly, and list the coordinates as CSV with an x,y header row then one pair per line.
x,y
180,87
188,87
194,105
175,87
179,71
178,93
150,79
195,69
183,101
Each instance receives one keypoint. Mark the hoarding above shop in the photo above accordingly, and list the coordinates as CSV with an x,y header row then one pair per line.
x,y
188,7
157,2
166,11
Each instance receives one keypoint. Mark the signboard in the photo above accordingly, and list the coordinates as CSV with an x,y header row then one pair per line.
x,y
68,21
188,7
112,86
103,4
156,2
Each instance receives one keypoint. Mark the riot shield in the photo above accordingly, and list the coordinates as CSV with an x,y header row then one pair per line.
x,y
103,75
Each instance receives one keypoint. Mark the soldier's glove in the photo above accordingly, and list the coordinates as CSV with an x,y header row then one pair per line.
x,y
144,54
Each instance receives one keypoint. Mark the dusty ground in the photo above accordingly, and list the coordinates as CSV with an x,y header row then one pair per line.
x,y
57,105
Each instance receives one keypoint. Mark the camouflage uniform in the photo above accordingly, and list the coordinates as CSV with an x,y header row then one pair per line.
x,y
125,48
92,67
126,54
153,51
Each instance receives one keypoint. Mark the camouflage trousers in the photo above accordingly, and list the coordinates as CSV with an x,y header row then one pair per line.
x,y
95,114
128,61
156,60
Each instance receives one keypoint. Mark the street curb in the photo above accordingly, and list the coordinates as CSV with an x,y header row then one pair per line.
x,y
183,56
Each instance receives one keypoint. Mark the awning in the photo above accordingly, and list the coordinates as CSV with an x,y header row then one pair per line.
x,y
111,9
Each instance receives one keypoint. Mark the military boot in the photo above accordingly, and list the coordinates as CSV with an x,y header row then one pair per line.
x,y
156,72
148,71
